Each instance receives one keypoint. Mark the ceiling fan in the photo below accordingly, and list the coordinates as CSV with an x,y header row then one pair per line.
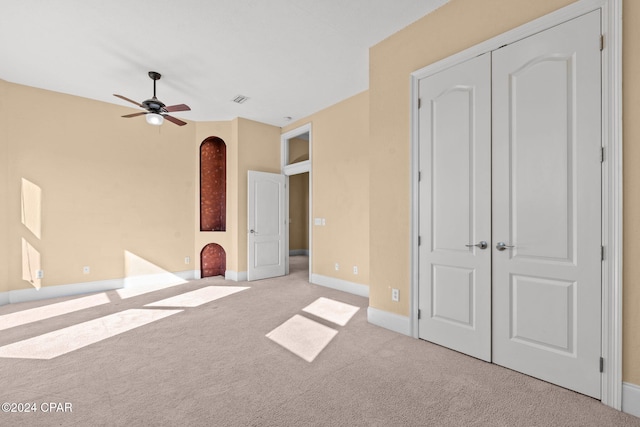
x,y
156,110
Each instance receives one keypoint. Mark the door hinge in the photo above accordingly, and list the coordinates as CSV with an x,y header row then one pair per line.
x,y
601,42
419,314
602,364
419,176
601,154
419,102
601,253
419,240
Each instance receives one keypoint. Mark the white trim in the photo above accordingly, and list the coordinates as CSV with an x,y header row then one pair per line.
x,y
612,172
56,291
47,292
298,252
631,399
388,320
284,152
236,276
295,169
340,285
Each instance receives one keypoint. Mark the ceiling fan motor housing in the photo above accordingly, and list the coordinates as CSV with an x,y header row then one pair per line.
x,y
154,105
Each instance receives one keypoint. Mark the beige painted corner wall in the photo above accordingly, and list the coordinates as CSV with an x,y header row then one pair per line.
x,y
454,27
258,150
109,185
631,179
250,146
340,193
4,169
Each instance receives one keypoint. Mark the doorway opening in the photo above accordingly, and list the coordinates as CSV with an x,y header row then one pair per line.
x,y
296,149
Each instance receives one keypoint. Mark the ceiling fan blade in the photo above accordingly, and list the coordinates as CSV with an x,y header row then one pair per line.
x,y
174,120
135,114
179,107
127,99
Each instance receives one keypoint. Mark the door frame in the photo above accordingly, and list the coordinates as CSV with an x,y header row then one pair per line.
x,y
295,169
611,28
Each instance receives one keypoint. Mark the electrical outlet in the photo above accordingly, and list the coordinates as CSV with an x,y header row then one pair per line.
x,y
86,269
337,266
39,274
395,295
187,260
355,269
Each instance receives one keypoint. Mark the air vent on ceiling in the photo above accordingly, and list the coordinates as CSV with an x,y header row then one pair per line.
x,y
239,99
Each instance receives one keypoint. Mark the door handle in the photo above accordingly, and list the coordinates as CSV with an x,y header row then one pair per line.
x,y
252,231
481,245
502,246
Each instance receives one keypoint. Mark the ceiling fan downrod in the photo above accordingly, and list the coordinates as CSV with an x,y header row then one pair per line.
x,y
154,76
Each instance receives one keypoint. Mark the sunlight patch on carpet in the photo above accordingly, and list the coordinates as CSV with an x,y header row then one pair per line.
x,y
137,290
66,340
303,337
31,315
334,311
198,297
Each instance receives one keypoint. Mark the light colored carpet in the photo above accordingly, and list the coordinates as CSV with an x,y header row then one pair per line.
x,y
213,365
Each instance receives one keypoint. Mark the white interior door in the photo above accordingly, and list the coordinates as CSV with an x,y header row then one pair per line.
x,y
266,221
455,208
547,205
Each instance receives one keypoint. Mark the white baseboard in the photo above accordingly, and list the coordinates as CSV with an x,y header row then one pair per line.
x,y
46,292
236,276
631,399
296,252
341,285
392,321
4,298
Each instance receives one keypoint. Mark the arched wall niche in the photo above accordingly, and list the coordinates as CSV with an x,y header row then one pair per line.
x,y
213,184
213,260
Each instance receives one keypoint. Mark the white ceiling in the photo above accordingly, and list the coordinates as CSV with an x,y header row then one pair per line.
x,y
290,57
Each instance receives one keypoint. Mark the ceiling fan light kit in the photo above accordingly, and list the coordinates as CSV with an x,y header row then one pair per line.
x,y
156,110
154,119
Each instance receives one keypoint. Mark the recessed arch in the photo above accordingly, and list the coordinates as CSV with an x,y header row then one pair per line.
x,y
213,260
213,185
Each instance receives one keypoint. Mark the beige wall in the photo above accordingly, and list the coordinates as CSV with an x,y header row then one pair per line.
x,y
298,150
258,150
454,27
109,185
4,169
299,211
340,176
631,134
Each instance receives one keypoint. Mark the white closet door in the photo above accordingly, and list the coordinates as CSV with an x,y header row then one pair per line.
x,y
547,205
455,208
